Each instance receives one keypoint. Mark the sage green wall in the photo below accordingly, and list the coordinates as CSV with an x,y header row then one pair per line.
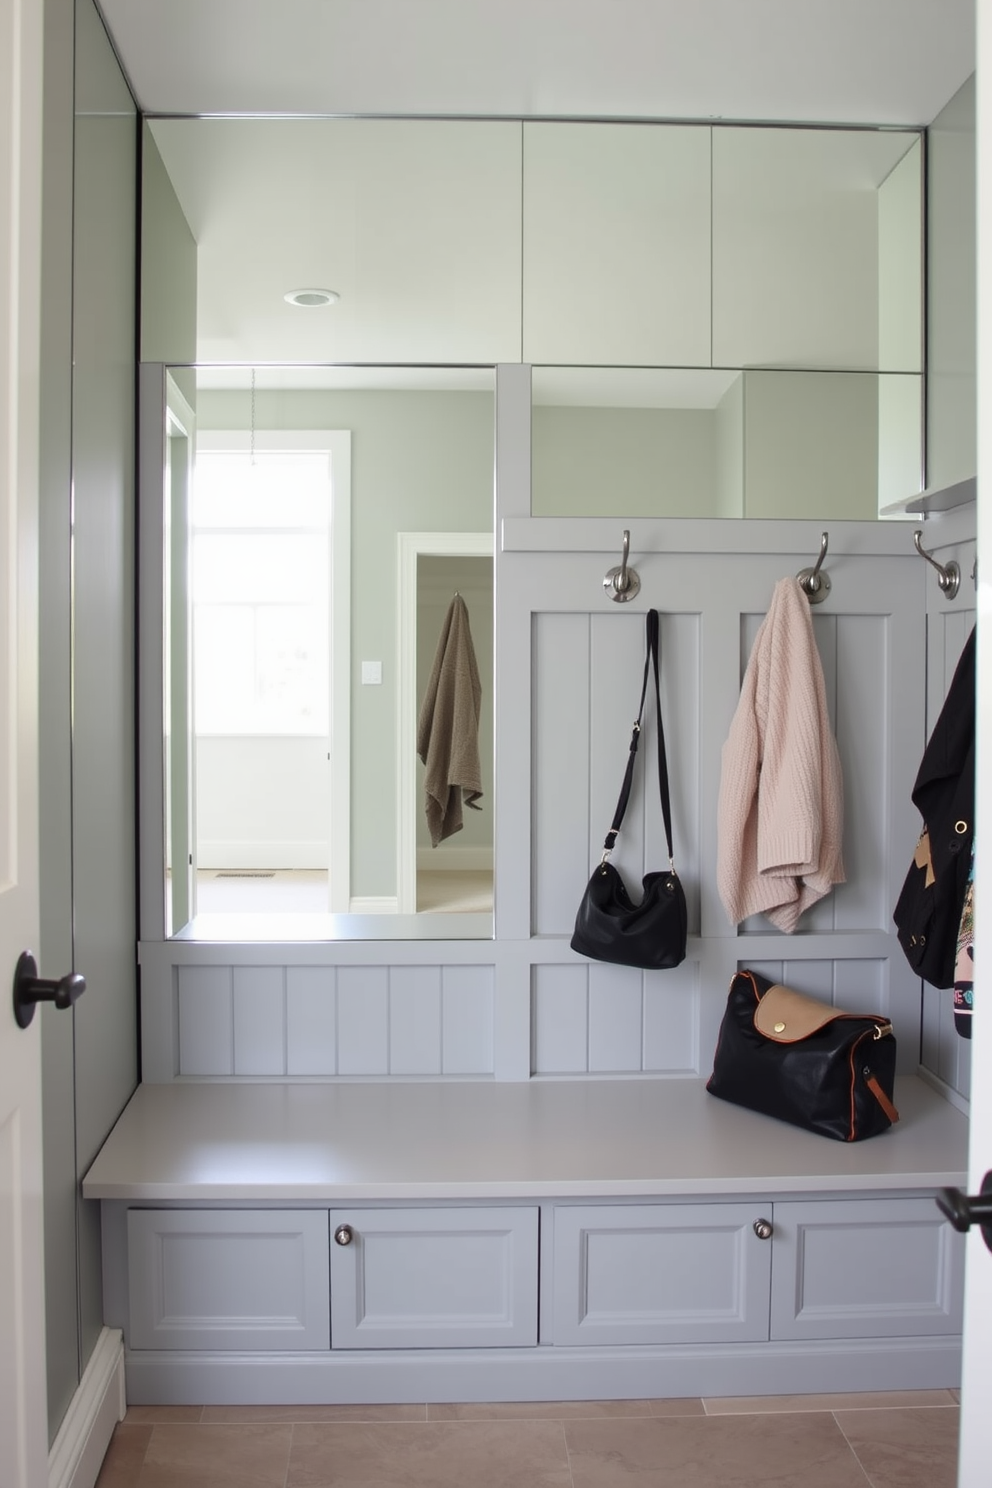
x,y
103,656
86,744
952,449
779,444
811,445
643,462
420,462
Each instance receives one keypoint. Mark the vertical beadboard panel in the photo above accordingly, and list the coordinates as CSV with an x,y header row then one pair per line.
x,y
671,1021
561,710
681,679
311,1020
860,986
363,1020
861,730
259,997
616,1016
616,673
821,917
415,1020
467,1020
206,1020
560,1001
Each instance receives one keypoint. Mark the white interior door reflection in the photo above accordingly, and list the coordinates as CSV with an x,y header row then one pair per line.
x,y
269,564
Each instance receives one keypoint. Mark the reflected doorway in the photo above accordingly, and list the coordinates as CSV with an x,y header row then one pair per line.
x,y
456,876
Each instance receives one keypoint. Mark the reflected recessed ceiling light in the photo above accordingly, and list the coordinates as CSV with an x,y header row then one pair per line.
x,y
311,299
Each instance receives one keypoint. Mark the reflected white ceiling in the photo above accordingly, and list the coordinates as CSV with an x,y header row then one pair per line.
x,y
889,62
829,61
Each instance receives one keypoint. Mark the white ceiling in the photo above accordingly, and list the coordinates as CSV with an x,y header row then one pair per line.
x,y
829,61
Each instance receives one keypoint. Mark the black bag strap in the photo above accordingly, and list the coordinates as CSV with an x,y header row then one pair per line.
x,y
652,663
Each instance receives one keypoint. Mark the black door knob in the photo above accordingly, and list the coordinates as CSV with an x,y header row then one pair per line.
x,y
964,1210
30,989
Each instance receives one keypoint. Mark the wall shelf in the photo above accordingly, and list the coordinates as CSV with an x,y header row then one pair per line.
x,y
935,499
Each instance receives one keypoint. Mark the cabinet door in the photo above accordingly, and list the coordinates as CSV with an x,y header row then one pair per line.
x,y
660,1273
872,1268
232,1279
433,1278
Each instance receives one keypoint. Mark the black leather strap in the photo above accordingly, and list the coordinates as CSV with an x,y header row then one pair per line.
x,y
652,663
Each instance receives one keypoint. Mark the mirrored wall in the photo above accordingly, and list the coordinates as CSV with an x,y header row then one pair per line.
x,y
723,322
320,529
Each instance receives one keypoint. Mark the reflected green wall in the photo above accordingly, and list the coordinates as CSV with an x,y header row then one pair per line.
x,y
420,462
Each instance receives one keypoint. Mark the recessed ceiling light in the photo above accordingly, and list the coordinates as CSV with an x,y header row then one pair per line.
x,y
311,299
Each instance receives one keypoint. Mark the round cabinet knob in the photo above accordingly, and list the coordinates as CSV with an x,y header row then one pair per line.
x,y
344,1234
763,1229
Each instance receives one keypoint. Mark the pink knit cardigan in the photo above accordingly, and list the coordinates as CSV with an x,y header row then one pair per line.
x,y
781,807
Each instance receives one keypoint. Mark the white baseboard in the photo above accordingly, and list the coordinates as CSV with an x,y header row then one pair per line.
x,y
83,1438
455,859
373,904
438,1375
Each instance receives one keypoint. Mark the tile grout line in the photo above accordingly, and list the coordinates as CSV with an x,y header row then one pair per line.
x,y
853,1450
568,1454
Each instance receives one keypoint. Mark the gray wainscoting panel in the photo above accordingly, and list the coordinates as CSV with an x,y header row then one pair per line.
x,y
206,1020
319,1022
259,1020
587,676
600,1019
311,1020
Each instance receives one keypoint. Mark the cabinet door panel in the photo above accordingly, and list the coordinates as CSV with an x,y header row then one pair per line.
x,y
239,1279
434,1278
865,1269
659,1273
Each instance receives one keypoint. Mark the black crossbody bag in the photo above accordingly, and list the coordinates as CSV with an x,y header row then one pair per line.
x,y
609,925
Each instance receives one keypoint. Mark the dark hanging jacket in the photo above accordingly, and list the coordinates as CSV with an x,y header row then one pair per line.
x,y
928,912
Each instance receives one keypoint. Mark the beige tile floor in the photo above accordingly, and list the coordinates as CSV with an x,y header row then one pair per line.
x,y
901,1440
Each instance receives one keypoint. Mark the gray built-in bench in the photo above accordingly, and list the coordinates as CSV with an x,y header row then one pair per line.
x,y
401,1241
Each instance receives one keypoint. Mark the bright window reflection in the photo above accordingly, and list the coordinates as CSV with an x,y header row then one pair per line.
x,y
261,592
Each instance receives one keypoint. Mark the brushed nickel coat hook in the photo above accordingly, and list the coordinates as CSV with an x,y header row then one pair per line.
x,y
623,581
814,584
948,574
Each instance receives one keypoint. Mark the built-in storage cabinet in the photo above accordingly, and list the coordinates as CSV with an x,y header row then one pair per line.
x,y
861,1268
232,1279
720,1272
468,1276
433,1278
661,1273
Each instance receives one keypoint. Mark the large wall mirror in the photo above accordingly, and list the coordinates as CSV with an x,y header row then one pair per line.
x,y
723,322
321,529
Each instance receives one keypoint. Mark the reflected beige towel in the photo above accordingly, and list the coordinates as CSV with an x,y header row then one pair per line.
x,y
781,808
448,727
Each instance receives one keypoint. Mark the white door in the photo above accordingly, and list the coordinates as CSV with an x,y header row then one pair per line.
x,y
976,1419
23,1411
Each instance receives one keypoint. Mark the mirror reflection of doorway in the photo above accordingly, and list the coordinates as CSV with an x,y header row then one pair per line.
x,y
456,876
